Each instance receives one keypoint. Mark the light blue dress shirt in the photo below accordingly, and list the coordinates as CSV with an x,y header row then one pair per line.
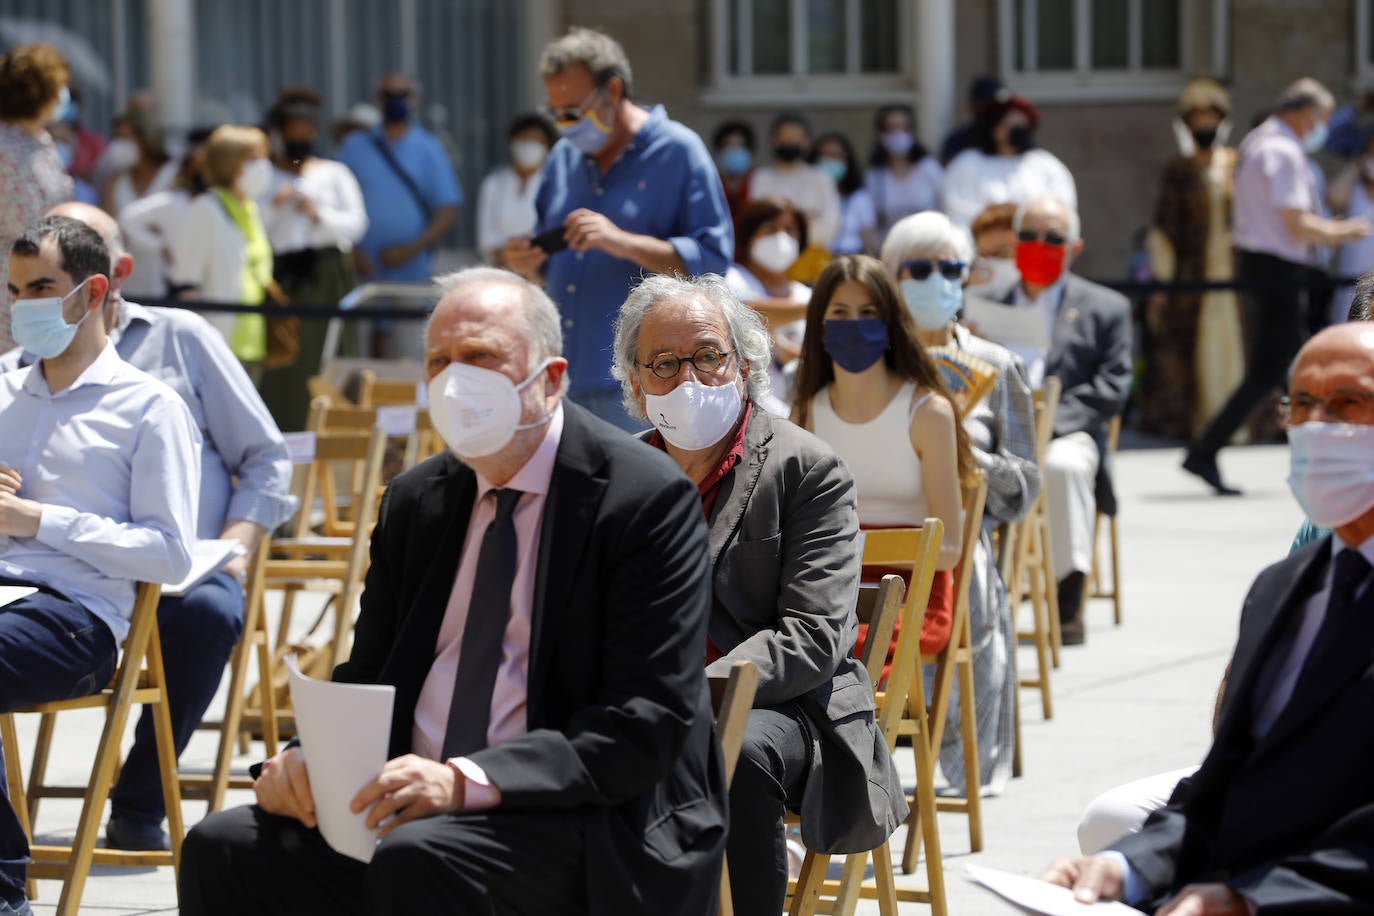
x,y
113,460
394,217
664,185
245,471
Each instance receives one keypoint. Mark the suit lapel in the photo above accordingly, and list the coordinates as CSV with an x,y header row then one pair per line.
x,y
575,492
739,484
1066,318
445,509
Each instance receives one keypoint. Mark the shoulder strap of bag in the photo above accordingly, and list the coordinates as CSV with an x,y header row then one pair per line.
x,y
411,186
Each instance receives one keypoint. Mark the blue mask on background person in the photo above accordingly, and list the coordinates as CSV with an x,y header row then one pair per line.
x,y
835,168
1315,139
66,110
395,107
735,161
37,325
855,343
933,301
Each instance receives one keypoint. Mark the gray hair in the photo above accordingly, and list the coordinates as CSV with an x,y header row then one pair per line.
x,y
1305,93
1075,227
748,335
924,235
546,331
601,54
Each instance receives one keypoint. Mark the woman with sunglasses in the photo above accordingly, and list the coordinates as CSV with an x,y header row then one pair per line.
x,y
930,257
866,386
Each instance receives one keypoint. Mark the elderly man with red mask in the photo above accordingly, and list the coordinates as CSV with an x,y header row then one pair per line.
x,y
1086,344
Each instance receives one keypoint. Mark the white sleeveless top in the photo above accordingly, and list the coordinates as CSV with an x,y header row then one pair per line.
x,y
886,469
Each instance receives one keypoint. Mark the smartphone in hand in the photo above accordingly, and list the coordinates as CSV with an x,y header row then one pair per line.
x,y
553,241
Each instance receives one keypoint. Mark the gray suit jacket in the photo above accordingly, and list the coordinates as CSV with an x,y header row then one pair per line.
x,y
785,568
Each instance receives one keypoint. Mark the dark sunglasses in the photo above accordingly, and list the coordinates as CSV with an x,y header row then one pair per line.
x,y
564,117
920,268
1049,238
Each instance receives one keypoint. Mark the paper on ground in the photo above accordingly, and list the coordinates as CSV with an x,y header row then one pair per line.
x,y
345,730
207,557
9,593
1040,896
1007,325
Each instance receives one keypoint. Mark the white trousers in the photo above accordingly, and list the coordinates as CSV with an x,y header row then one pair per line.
x,y
1070,478
1122,811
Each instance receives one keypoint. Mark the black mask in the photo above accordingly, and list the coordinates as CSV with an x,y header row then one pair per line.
x,y
1205,138
298,150
395,107
1020,138
788,152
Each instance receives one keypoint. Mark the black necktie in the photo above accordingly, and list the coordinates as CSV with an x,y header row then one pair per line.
x,y
479,658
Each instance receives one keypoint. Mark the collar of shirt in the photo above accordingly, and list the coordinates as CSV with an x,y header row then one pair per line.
x,y
535,474
129,312
709,486
658,116
1049,296
101,371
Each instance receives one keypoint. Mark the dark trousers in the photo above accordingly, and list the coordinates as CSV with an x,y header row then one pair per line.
x,y
198,632
244,861
769,778
1278,329
51,648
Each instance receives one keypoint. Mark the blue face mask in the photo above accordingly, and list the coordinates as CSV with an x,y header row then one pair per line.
x,y
855,343
735,161
66,109
1315,138
933,301
37,325
835,168
587,134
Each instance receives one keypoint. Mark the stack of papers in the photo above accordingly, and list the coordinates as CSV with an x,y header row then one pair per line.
x,y
1037,896
207,558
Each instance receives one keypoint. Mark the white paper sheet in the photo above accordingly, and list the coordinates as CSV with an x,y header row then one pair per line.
x,y
207,557
344,731
1007,325
1041,897
398,420
9,593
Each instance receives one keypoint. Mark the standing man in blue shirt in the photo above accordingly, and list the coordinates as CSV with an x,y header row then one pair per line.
x,y
409,189
633,192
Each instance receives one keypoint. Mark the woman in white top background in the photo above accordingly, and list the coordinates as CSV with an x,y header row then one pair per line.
x,y
154,170
791,177
151,223
858,221
314,214
866,386
1004,166
505,201
902,178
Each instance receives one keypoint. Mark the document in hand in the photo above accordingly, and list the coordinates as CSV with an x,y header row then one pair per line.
x,y
10,593
1007,325
345,730
207,558
1037,896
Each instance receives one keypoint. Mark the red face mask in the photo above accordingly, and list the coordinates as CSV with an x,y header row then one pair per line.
x,y
1040,263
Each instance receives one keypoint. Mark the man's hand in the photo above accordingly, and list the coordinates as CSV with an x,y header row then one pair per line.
x,y
396,255
10,479
409,787
523,258
1206,900
19,518
1354,229
1091,878
587,229
362,263
284,787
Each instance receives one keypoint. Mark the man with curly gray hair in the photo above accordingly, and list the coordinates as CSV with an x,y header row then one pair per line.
x,y
783,526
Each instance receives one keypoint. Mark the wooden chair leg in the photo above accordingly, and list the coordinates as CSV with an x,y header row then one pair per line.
x,y
929,834
726,907
270,735
14,782
38,772
1051,592
1016,769
806,897
883,880
851,882
1114,535
166,753
968,729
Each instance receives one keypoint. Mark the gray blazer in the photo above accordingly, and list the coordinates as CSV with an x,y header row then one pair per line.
x,y
785,569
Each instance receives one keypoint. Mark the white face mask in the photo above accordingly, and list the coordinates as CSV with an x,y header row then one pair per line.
x,y
694,416
255,178
477,411
775,252
528,154
1332,473
121,155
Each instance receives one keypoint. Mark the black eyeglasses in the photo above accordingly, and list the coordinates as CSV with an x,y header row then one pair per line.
x,y
920,268
1049,238
1339,408
707,360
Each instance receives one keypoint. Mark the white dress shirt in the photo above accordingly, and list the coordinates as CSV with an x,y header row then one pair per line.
x,y
338,202
114,459
505,208
1047,304
810,190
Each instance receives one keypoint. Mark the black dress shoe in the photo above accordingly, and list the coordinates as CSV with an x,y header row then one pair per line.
x,y
1071,629
1206,468
127,833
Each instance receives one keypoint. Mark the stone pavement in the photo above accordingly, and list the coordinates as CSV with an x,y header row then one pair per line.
x,y
1136,701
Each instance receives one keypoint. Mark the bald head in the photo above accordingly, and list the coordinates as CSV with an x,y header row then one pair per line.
x,y
121,262
1352,342
1332,380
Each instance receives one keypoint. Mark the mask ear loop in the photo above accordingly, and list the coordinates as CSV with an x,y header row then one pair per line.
x,y
525,384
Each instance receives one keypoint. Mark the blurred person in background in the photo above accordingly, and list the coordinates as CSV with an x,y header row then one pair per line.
x,y
33,178
505,201
902,177
772,233
1004,165
87,145
733,144
1196,352
1351,194
222,253
982,93
994,246
154,170
858,220
789,176
152,223
313,214
63,136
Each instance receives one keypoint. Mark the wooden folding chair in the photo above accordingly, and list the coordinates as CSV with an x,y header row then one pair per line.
x,y
1027,567
380,392
1093,585
406,425
138,679
731,699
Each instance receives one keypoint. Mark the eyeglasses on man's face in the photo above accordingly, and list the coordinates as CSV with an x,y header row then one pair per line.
x,y
1049,237
920,268
1342,407
566,117
706,361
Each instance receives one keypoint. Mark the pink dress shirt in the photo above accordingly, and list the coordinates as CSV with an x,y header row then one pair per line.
x,y
508,696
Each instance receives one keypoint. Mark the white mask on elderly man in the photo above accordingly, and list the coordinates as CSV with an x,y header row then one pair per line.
x,y
476,411
1332,473
694,416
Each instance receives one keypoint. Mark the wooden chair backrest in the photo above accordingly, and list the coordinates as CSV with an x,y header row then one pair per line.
x,y
343,460
975,495
383,392
731,699
880,607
